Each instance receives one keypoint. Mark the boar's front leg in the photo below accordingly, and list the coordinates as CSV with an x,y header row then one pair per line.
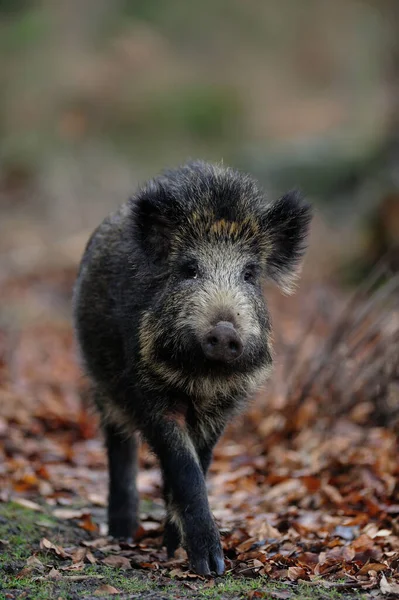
x,y
205,435
185,483
204,438
123,496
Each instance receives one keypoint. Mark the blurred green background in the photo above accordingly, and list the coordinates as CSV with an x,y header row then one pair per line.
x,y
98,95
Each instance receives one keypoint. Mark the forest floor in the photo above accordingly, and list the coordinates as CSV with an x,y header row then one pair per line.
x,y
304,486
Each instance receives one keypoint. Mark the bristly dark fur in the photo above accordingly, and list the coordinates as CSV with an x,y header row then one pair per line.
x,y
182,258
287,222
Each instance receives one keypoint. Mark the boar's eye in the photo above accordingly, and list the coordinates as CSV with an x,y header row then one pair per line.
x,y
190,271
250,274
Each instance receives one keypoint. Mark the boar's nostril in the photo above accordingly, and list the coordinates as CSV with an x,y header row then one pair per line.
x,y
222,343
233,347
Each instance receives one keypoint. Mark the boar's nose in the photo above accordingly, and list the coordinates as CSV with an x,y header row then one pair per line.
x,y
222,343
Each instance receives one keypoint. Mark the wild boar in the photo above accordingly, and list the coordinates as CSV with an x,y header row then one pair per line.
x,y
174,332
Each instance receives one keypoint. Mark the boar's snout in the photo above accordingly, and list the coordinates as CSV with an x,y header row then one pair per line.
x,y
222,343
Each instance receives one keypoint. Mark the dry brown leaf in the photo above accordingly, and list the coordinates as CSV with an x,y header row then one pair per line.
x,y
33,564
78,555
362,543
106,589
149,565
33,561
191,586
118,562
180,574
45,544
54,574
245,546
87,524
295,573
377,567
332,493
90,558
267,531
78,566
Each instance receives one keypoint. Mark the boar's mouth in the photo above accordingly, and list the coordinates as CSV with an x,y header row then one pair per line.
x,y
240,360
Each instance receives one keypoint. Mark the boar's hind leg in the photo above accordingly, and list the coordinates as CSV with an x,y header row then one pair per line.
x,y
185,483
123,496
172,537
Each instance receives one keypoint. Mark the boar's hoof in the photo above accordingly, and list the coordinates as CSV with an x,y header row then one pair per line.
x,y
222,343
122,528
204,566
205,553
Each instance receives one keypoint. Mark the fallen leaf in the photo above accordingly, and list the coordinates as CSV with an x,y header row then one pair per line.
x,y
257,564
180,574
181,554
90,558
69,513
97,543
388,588
372,567
149,565
295,573
71,577
78,555
97,499
106,589
245,546
33,561
78,566
45,544
54,574
191,586
33,564
28,504
88,524
118,562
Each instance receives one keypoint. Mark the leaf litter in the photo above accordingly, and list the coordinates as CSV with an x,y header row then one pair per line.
x,y
304,486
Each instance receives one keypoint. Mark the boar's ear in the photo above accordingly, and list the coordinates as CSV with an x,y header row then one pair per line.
x,y
152,226
285,226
